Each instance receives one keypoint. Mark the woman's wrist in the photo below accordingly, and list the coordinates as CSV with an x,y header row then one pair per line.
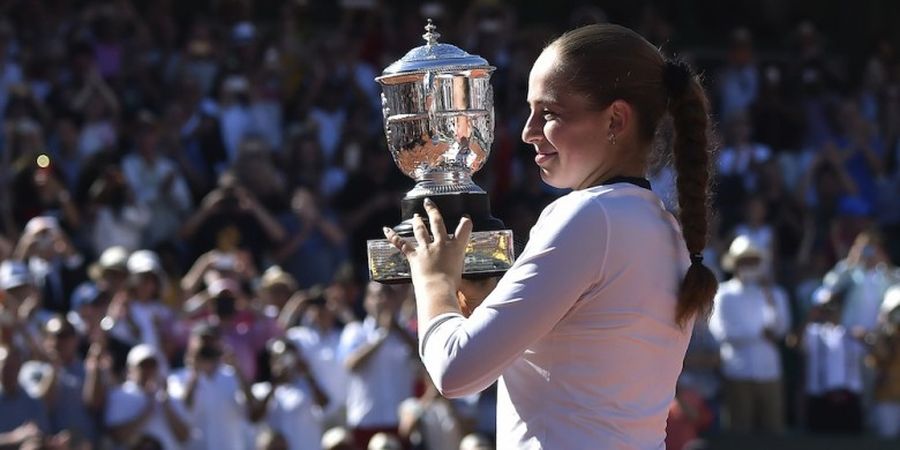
x,y
435,295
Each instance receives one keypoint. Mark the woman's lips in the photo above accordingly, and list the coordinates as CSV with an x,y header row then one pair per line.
x,y
542,158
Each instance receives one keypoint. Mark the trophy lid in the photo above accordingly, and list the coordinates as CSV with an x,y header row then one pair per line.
x,y
434,56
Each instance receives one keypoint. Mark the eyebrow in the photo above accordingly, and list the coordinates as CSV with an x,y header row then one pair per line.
x,y
544,101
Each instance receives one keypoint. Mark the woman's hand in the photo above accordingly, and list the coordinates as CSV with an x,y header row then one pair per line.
x,y
438,256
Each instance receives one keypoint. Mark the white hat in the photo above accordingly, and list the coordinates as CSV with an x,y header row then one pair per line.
x,y
336,436
14,274
741,247
112,258
144,261
140,353
384,441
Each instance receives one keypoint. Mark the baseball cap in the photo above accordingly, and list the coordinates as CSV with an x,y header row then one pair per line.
x,y
144,261
14,274
85,294
140,353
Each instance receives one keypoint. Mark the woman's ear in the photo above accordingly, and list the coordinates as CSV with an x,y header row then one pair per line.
x,y
621,118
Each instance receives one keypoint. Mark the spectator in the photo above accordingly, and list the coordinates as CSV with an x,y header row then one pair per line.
x,y
377,353
110,271
431,421
99,107
139,314
756,228
156,182
141,406
21,305
292,403
861,281
216,395
318,337
119,219
60,383
317,246
231,218
749,319
24,416
54,263
243,329
276,290
833,373
739,82
235,115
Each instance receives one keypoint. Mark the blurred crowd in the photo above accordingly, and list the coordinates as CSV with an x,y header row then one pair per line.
x,y
186,189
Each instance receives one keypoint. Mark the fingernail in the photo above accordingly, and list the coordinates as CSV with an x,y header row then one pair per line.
x,y
467,216
416,215
386,230
428,201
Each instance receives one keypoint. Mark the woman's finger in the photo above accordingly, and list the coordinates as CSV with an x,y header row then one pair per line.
x,y
438,229
420,231
463,230
397,241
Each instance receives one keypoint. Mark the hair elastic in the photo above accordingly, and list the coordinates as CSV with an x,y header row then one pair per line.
x,y
696,258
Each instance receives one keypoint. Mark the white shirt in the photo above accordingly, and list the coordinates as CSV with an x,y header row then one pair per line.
x,y
145,315
218,410
582,328
741,314
293,412
377,387
320,350
832,359
126,402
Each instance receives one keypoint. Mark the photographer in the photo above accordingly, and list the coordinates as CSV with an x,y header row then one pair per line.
x,y
141,406
292,403
230,217
55,265
139,315
216,395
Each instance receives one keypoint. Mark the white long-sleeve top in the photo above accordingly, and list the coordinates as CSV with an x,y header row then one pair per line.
x,y
741,314
581,330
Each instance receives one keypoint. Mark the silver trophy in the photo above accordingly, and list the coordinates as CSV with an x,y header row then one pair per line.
x,y
438,108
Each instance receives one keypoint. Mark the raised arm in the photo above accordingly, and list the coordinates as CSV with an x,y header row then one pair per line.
x,y
527,303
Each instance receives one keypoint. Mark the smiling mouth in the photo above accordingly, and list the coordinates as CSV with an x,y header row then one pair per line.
x,y
541,158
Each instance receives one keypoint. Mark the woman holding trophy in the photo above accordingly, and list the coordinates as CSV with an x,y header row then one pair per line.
x,y
588,328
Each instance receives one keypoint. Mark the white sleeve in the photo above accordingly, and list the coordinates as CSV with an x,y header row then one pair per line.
x,y
564,258
783,312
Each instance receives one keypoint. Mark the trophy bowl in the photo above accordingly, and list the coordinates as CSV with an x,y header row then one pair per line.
x,y
438,109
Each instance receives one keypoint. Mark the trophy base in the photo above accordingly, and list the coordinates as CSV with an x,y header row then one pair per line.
x,y
489,254
452,207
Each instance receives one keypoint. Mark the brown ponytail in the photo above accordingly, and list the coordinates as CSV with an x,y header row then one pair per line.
x,y
690,111
609,62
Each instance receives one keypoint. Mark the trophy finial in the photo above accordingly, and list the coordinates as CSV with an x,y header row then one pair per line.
x,y
431,36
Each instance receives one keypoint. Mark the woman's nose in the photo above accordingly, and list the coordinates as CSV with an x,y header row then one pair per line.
x,y
532,132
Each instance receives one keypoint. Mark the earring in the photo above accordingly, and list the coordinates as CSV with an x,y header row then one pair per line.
x,y
611,138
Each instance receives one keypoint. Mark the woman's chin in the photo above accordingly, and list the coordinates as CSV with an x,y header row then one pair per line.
x,y
548,179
